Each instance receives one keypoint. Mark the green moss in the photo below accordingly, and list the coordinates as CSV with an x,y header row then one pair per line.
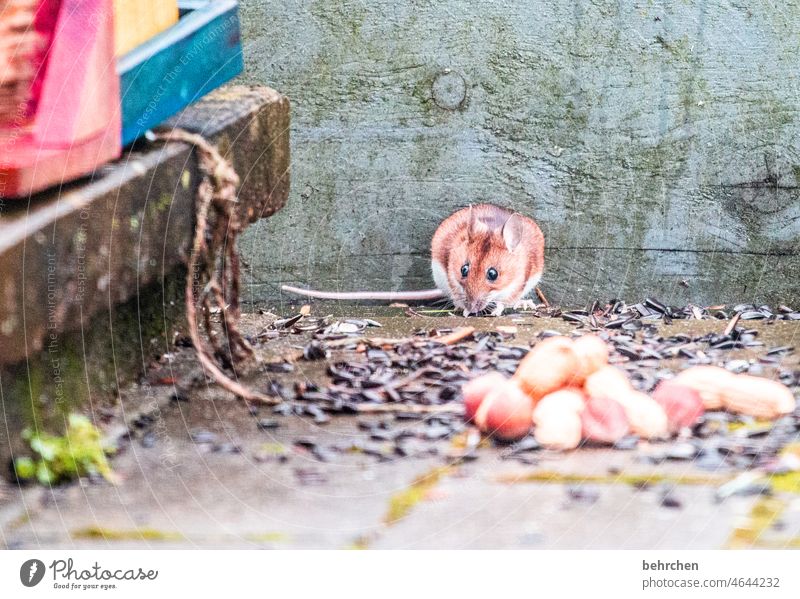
x,y
273,449
88,365
787,482
549,476
78,452
136,534
762,517
766,512
401,503
426,153
679,49
28,383
360,544
340,28
773,114
343,19
154,208
68,376
421,91
747,426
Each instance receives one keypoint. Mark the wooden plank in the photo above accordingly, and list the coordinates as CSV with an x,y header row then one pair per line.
x,y
75,252
648,127
161,77
573,277
136,21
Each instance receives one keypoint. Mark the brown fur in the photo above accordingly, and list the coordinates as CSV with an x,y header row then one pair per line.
x,y
475,235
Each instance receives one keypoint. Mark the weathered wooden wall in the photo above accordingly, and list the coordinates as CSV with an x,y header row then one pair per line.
x,y
656,142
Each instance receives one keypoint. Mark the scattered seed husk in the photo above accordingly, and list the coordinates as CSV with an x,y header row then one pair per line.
x,y
310,476
285,323
741,485
315,351
417,380
268,424
781,351
203,437
583,494
670,500
456,336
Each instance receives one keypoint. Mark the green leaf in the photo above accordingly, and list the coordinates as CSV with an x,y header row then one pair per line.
x,y
79,452
25,468
44,475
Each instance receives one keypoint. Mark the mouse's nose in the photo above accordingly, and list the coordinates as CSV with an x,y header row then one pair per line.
x,y
476,306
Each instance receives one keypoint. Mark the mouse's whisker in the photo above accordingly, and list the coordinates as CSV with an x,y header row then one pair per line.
x,y
440,302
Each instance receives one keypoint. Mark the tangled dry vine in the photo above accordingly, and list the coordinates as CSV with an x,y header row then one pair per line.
x,y
213,267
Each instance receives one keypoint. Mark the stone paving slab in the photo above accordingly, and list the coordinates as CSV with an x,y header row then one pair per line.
x,y
229,500
180,493
177,492
474,512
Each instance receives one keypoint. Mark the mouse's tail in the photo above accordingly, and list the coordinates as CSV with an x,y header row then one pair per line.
x,y
391,296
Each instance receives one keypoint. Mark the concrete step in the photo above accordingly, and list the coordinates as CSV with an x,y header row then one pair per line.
x,y
91,273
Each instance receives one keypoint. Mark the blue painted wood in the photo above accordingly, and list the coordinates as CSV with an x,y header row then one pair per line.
x,y
180,65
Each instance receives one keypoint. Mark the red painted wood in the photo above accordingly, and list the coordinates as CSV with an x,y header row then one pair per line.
x,y
76,123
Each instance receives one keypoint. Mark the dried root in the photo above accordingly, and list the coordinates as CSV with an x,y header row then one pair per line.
x,y
214,267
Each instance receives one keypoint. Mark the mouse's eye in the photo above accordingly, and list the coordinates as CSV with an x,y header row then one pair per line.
x,y
492,274
465,270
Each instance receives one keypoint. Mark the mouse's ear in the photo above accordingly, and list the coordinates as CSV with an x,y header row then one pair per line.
x,y
476,225
512,231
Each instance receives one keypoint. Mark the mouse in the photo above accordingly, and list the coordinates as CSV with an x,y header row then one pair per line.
x,y
483,257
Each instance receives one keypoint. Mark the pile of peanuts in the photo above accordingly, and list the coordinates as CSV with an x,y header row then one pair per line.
x,y
568,392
